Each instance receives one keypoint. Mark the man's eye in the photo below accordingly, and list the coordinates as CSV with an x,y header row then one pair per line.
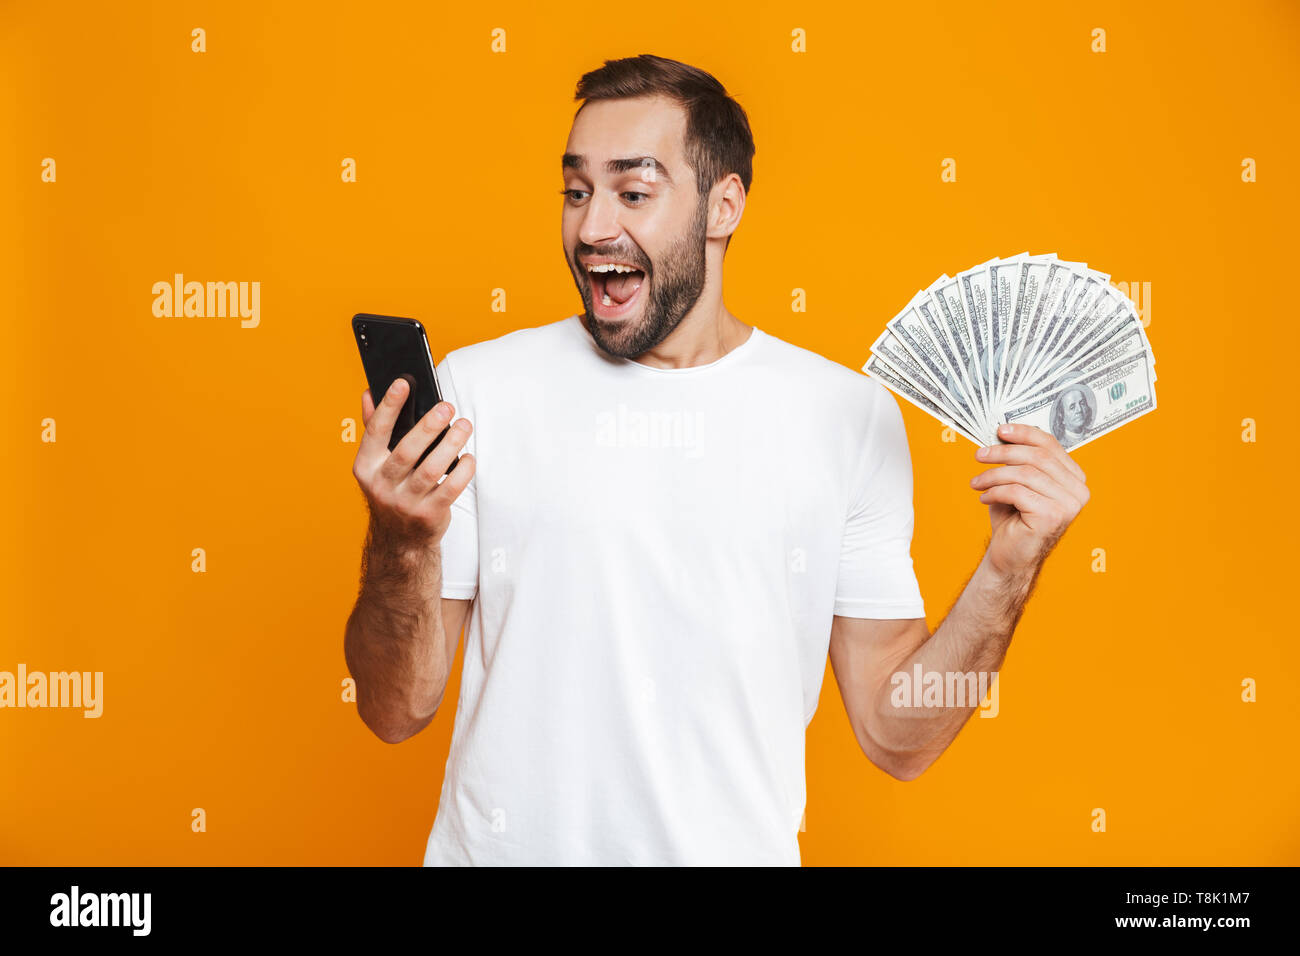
x,y
638,196
567,193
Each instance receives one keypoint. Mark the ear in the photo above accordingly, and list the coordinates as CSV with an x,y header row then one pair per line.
x,y
726,207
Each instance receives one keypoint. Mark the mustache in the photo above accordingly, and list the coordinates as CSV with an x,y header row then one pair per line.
x,y
617,254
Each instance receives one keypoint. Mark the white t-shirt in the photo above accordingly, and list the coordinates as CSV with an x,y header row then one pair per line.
x,y
655,556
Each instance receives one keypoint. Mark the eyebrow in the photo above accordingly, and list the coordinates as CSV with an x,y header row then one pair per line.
x,y
579,162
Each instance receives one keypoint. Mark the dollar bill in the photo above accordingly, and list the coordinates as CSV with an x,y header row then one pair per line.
x,y
913,332
1029,337
878,368
1090,405
890,349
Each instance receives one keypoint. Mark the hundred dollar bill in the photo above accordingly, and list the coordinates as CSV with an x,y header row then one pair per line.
x,y
879,369
1030,278
1081,295
913,330
952,304
973,287
1121,343
1059,275
956,346
1111,312
890,349
1024,337
1131,312
1005,285
957,350
1055,318
1108,314
1092,404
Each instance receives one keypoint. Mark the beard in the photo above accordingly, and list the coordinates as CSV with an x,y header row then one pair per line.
x,y
675,284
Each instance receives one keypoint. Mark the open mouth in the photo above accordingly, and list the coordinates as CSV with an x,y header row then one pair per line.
x,y
615,288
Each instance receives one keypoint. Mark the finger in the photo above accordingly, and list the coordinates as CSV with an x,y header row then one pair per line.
x,y
367,407
407,452
1025,500
1034,455
374,441
457,481
1030,435
1029,476
425,477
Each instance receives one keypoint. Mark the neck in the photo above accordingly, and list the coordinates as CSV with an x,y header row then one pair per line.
x,y
703,336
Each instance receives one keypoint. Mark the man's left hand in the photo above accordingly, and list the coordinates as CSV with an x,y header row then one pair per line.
x,y
1033,495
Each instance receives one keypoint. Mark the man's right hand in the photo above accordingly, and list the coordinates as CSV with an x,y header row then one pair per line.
x,y
407,503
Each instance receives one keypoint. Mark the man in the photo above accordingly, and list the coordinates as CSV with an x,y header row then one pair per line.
x,y
678,515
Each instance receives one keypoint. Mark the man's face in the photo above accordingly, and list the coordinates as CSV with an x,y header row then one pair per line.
x,y
645,213
1075,410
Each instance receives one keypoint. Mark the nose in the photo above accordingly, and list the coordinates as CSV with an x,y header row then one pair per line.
x,y
599,219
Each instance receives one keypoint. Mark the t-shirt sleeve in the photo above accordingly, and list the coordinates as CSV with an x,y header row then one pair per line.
x,y
876,577
460,542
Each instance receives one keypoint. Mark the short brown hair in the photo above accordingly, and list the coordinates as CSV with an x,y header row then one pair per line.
x,y
718,139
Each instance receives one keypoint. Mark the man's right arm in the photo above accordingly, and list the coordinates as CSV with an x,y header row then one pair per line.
x,y
400,640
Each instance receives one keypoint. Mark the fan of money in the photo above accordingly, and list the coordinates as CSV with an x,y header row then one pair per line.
x,y
1031,339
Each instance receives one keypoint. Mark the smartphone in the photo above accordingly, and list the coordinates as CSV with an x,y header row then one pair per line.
x,y
393,348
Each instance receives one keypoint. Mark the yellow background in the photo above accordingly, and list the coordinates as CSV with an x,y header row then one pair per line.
x,y
222,689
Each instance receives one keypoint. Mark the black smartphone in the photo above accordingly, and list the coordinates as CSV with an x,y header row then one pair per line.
x,y
393,348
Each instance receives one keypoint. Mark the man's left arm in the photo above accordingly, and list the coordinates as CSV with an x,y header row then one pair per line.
x,y
1035,491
